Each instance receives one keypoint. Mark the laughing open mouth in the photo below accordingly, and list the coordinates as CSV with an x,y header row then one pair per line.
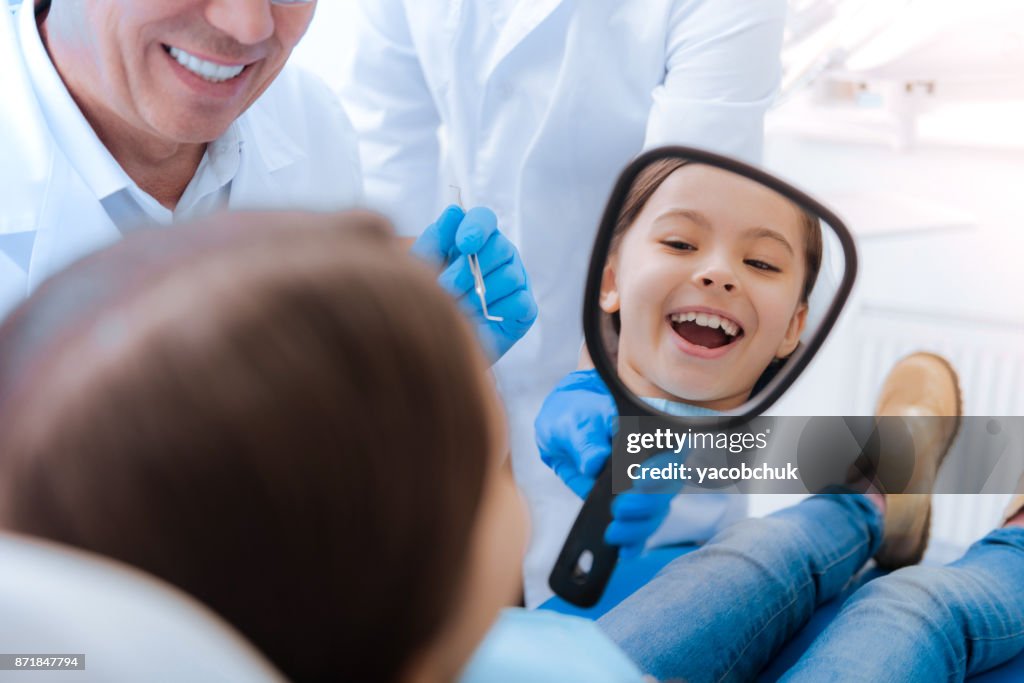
x,y
705,329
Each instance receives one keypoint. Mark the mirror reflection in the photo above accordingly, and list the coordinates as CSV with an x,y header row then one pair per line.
x,y
713,282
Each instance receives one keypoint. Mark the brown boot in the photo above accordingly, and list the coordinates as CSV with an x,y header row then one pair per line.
x,y
922,385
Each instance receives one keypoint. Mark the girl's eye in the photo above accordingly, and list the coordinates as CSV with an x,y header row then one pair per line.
x,y
761,265
679,245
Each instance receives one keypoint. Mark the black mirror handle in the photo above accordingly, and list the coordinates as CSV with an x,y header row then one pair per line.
x,y
585,565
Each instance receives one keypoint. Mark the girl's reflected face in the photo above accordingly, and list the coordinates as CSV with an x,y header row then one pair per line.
x,y
707,283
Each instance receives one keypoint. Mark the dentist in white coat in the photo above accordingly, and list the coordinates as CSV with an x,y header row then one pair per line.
x,y
532,107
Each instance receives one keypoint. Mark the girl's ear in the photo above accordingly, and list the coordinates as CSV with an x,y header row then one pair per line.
x,y
609,299
796,328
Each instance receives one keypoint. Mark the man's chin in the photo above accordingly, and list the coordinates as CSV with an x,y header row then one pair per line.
x,y
194,129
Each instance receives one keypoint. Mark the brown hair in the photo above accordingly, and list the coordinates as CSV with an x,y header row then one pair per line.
x,y
653,175
281,414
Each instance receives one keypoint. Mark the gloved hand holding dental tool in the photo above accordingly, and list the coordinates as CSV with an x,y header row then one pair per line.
x,y
483,271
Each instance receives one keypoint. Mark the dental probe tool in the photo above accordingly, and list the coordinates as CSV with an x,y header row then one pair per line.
x,y
474,267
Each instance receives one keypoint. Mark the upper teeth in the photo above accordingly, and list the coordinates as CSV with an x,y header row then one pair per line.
x,y
707,320
215,73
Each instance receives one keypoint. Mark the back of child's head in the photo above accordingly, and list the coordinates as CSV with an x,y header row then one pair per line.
x,y
281,414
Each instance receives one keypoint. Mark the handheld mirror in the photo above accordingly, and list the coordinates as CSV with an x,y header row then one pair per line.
x,y
712,284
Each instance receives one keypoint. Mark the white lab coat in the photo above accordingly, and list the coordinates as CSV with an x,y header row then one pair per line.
x,y
299,151
540,104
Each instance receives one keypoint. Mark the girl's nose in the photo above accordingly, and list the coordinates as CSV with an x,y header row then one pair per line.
x,y
715,276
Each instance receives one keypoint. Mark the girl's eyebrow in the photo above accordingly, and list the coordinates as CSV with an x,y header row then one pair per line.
x,y
695,216
756,233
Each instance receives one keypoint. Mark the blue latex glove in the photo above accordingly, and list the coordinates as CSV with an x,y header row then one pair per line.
x,y
575,429
448,240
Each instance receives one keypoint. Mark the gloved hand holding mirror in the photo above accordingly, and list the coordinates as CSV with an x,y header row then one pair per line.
x,y
711,286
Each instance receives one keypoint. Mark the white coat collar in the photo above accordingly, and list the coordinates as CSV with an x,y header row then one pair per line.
x,y
522,20
25,138
276,145
71,132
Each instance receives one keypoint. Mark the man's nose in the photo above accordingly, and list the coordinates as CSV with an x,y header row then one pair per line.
x,y
248,21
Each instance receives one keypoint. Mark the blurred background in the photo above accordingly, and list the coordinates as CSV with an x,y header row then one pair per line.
x,y
906,117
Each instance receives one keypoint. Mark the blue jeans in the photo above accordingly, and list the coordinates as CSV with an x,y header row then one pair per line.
x,y
724,611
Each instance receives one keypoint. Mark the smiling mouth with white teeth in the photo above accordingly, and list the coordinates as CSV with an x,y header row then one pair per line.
x,y
705,329
208,71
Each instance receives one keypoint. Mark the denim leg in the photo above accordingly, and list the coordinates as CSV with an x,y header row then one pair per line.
x,y
928,623
723,611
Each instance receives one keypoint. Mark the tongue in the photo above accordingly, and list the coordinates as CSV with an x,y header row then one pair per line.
x,y
709,337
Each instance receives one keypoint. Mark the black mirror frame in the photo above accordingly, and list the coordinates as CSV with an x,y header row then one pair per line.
x,y
625,399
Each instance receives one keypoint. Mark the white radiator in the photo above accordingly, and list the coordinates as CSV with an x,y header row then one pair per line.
x,y
988,355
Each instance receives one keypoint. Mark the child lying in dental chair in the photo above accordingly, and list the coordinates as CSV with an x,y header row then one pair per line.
x,y
287,418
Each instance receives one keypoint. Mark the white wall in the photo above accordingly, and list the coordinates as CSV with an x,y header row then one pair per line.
x,y
330,41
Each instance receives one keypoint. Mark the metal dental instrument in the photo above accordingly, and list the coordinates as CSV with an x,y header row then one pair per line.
x,y
474,267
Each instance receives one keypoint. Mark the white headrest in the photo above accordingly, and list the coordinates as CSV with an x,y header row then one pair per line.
x,y
130,626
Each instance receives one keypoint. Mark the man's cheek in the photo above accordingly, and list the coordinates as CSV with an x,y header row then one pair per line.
x,y
290,32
